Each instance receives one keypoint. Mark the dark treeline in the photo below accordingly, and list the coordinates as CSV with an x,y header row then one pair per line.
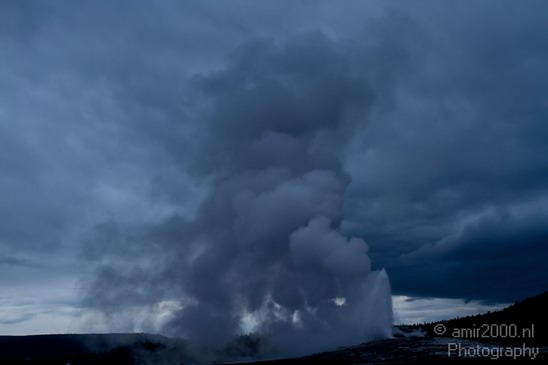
x,y
523,321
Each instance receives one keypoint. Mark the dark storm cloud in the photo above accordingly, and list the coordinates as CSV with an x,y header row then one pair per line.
x,y
490,256
145,132
76,132
92,112
465,143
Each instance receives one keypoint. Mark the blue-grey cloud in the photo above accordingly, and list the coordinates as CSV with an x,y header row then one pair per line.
x,y
463,144
132,133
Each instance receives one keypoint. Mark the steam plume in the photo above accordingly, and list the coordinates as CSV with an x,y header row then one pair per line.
x,y
264,252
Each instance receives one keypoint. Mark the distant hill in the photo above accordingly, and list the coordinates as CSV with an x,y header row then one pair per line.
x,y
88,349
524,321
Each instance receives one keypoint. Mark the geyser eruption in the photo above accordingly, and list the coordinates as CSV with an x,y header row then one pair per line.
x,y
265,253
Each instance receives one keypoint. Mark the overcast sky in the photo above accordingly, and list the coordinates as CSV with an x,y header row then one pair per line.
x,y
134,134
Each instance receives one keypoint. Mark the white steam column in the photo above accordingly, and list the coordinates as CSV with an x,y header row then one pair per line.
x,y
377,306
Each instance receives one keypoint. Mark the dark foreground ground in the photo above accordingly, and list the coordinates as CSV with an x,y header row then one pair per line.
x,y
425,350
517,334
144,349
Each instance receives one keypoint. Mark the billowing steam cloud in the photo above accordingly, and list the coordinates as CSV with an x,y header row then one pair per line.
x,y
264,253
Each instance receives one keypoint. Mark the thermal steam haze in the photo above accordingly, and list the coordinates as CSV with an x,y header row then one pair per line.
x,y
268,132
202,169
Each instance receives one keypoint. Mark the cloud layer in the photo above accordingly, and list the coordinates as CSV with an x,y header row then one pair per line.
x,y
134,138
